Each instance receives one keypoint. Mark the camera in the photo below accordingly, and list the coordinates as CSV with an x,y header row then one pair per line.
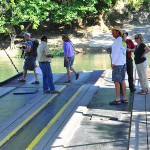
x,y
22,47
22,55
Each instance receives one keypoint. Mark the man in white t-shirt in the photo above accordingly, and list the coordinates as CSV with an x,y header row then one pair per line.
x,y
118,57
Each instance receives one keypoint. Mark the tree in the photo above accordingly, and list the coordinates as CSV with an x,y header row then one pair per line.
x,y
17,12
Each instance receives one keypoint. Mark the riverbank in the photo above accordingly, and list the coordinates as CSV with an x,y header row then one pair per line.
x,y
94,42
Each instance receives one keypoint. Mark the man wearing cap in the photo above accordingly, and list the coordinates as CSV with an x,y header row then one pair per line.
x,y
44,59
129,61
118,65
30,61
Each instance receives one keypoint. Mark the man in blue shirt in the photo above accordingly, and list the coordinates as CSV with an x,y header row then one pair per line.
x,y
30,61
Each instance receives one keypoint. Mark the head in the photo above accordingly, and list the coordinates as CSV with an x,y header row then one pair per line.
x,y
65,38
125,34
139,38
27,36
44,39
117,32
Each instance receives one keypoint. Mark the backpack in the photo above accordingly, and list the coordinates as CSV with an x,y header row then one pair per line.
x,y
33,51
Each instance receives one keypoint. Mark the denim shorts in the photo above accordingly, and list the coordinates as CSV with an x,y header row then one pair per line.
x,y
118,73
70,62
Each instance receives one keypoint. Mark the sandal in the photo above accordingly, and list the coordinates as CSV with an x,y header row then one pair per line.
x,y
35,82
68,81
140,92
77,76
144,93
21,80
55,92
125,101
115,102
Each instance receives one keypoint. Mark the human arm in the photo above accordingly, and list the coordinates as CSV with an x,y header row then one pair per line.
x,y
132,47
65,48
147,49
47,52
130,50
66,57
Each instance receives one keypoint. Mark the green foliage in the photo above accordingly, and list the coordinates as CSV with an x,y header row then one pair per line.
x,y
23,12
57,51
138,3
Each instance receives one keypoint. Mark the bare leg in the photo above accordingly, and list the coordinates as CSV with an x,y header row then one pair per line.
x,y
72,69
124,90
117,87
24,74
69,73
36,75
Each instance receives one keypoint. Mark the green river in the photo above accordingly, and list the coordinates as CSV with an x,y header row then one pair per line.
x,y
83,62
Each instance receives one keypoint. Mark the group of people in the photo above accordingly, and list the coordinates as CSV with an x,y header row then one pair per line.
x,y
44,58
121,61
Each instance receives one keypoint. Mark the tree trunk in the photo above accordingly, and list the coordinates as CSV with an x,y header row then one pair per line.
x,y
12,38
104,28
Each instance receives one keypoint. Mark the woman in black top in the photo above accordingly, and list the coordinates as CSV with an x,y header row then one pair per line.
x,y
141,63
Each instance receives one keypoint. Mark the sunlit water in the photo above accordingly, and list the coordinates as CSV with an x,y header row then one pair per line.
x,y
83,62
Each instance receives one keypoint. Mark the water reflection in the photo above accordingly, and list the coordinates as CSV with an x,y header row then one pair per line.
x,y
83,62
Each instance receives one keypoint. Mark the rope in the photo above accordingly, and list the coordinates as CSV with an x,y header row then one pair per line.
x,y
11,61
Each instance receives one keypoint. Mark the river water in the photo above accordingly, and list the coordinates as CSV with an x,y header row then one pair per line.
x,y
83,62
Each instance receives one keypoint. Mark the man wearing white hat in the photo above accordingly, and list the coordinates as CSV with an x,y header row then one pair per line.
x,y
118,65
30,61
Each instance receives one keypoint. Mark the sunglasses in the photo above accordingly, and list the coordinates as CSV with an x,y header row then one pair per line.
x,y
136,38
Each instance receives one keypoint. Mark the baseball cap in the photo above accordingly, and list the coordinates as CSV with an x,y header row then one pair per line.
x,y
27,34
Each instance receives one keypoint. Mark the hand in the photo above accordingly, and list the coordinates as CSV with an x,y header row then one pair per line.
x,y
112,66
67,59
143,55
128,50
52,56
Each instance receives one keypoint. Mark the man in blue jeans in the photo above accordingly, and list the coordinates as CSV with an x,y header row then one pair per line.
x,y
44,59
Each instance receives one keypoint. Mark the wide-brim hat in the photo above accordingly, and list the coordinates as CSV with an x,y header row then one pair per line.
x,y
118,29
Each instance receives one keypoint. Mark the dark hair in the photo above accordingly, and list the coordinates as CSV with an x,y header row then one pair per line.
x,y
126,33
66,38
44,38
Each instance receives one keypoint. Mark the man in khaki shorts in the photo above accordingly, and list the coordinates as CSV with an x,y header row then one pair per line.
x,y
118,65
